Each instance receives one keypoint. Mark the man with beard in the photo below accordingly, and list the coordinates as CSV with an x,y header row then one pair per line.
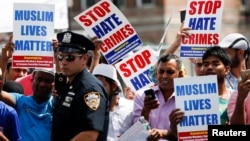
x,y
238,48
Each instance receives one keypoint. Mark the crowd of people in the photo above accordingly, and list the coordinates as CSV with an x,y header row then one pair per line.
x,y
93,105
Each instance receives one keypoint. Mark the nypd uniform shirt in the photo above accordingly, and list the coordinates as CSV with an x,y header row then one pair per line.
x,y
84,106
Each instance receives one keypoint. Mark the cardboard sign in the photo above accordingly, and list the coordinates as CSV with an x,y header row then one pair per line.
x,y
204,18
33,32
6,13
106,22
198,97
134,69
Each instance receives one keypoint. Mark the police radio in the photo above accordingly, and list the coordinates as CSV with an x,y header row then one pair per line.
x,y
60,82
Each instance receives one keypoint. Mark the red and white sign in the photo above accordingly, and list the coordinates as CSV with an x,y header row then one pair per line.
x,y
33,30
134,69
106,22
204,18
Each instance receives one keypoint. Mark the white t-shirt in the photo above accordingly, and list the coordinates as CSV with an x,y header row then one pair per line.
x,y
120,120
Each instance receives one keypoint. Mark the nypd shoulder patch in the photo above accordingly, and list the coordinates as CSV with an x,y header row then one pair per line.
x,y
92,100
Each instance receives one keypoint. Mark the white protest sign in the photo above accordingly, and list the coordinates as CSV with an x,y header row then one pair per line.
x,y
6,13
204,18
134,69
106,22
198,97
33,32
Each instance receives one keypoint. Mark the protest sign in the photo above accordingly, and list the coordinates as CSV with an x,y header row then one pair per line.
x,y
33,32
198,97
106,22
6,13
204,18
138,132
134,69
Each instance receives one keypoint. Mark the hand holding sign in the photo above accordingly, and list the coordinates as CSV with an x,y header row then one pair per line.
x,y
98,43
105,21
176,117
8,50
204,18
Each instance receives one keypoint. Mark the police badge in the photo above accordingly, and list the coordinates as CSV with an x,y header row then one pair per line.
x,y
92,100
67,38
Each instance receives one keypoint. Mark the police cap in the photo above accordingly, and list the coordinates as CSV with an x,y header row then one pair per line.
x,y
73,42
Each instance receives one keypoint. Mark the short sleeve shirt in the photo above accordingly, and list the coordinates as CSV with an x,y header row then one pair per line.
x,y
9,122
36,117
83,106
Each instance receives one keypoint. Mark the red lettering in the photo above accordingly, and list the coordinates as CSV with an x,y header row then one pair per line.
x,y
217,5
202,39
99,11
105,5
215,39
184,40
126,71
116,38
139,61
200,7
92,15
192,10
129,29
107,45
86,22
204,7
191,39
130,62
146,55
209,7
124,33
104,48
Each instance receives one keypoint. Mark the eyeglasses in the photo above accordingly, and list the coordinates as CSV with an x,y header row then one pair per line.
x,y
69,57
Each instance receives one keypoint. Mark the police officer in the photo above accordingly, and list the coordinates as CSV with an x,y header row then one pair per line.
x,y
82,109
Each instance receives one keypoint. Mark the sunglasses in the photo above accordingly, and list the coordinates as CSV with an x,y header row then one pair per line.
x,y
69,57
167,71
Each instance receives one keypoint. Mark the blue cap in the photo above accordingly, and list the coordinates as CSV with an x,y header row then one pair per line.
x,y
73,42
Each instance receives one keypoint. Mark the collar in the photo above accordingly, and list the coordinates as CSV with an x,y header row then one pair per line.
x,y
231,76
157,90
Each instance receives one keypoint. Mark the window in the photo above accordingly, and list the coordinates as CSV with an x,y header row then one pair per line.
x,y
145,3
85,4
